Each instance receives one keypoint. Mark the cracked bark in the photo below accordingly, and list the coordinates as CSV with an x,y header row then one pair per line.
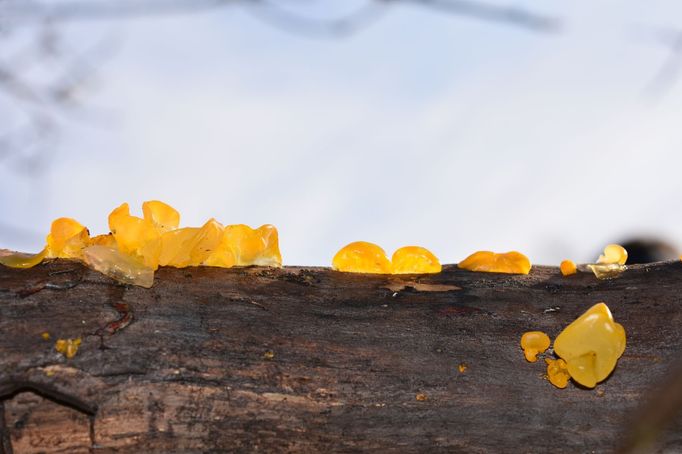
x,y
310,359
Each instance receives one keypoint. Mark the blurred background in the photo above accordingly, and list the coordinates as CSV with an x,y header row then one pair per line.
x,y
547,127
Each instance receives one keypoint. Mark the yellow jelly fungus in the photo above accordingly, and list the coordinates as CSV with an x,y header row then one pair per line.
x,y
269,355
21,260
103,240
568,267
207,239
607,270
67,347
421,397
611,263
613,253
66,239
138,246
533,343
175,246
45,335
591,345
135,236
163,216
362,257
253,246
490,262
557,373
462,368
117,265
414,260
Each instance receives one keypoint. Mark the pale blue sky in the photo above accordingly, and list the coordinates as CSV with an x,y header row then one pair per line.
x,y
423,129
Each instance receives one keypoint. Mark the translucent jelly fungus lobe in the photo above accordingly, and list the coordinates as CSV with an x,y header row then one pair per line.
x,y
135,236
533,343
176,245
67,347
591,345
362,257
614,253
21,260
67,238
557,373
103,240
568,268
163,216
611,263
414,260
490,262
117,265
253,246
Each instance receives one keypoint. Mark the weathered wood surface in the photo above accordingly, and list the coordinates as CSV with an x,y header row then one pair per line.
x,y
350,353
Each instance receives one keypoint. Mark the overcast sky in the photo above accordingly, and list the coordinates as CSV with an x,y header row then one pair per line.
x,y
422,128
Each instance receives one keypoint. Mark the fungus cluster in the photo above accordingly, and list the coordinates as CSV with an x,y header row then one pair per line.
x,y
364,257
136,247
588,348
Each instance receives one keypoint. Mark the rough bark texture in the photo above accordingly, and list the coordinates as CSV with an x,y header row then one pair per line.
x,y
307,359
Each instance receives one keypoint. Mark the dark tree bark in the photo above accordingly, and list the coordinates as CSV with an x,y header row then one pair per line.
x,y
307,359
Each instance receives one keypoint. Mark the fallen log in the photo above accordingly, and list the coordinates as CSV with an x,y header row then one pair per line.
x,y
308,359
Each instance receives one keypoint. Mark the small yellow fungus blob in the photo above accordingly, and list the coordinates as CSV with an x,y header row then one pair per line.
x,y
614,253
117,265
568,267
21,260
135,236
607,271
68,347
362,257
45,335
414,260
163,216
591,345
205,242
611,263
269,355
533,343
462,368
421,397
176,246
490,262
557,372
103,240
254,246
66,239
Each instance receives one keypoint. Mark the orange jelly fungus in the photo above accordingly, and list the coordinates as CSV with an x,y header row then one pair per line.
x,y
490,262
557,372
611,263
45,335
414,260
136,246
591,345
568,267
364,257
67,347
533,343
